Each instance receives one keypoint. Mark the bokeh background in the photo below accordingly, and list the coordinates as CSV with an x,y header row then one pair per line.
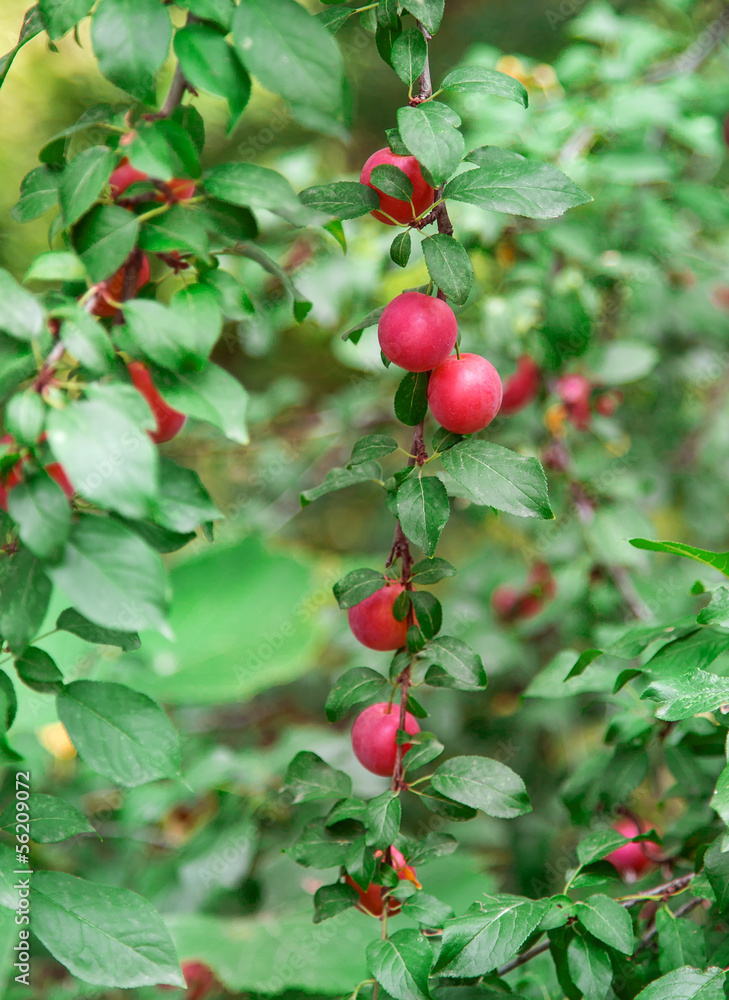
x,y
632,291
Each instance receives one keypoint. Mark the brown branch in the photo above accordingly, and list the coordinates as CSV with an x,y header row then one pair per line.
x,y
666,890
132,268
174,97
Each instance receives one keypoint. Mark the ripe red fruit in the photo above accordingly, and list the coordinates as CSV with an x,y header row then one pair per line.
x,y
632,860
607,403
110,291
521,387
169,421
177,190
574,391
373,737
417,331
124,176
373,622
398,209
199,978
464,394
56,471
370,899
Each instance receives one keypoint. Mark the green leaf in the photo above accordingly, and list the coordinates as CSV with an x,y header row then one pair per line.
x,y
478,80
72,621
168,337
428,612
428,12
372,447
25,416
589,968
680,942
401,964
431,570
608,921
483,784
357,585
107,455
384,813
718,560
342,199
716,869
686,984
340,478
429,132
83,180
104,238
22,315
317,847
56,265
333,18
597,844
290,52
507,182
43,515
424,748
8,702
59,16
454,665
720,798
329,900
449,266
211,64
118,732
131,39
716,611
487,935
309,779
497,477
85,338
101,933
423,510
411,398
182,503
38,670
248,184
51,820
38,193
182,228
32,25
112,577
371,319
400,248
218,11
685,696
391,180
25,591
408,54
301,304
212,394
427,911
356,685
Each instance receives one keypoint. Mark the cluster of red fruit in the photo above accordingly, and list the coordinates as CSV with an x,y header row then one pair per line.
x,y
577,402
510,604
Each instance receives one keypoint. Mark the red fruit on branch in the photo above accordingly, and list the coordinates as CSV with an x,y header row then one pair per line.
x,y
398,209
124,176
575,391
374,737
374,624
417,331
464,394
521,387
370,899
633,860
176,190
110,291
169,420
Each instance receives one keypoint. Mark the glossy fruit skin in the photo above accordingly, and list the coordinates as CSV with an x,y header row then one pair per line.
x,y
464,394
110,291
417,331
370,899
169,421
373,737
632,860
521,388
575,391
124,176
373,623
400,210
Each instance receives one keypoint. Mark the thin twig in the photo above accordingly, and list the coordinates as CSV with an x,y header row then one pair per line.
x,y
174,97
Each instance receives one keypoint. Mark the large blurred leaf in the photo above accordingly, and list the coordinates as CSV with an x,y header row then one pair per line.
x,y
131,39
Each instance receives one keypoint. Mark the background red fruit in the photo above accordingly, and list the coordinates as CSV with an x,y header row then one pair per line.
x,y
373,737
521,387
607,403
124,176
399,210
417,331
169,421
373,622
199,978
111,290
574,391
632,860
176,190
464,394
